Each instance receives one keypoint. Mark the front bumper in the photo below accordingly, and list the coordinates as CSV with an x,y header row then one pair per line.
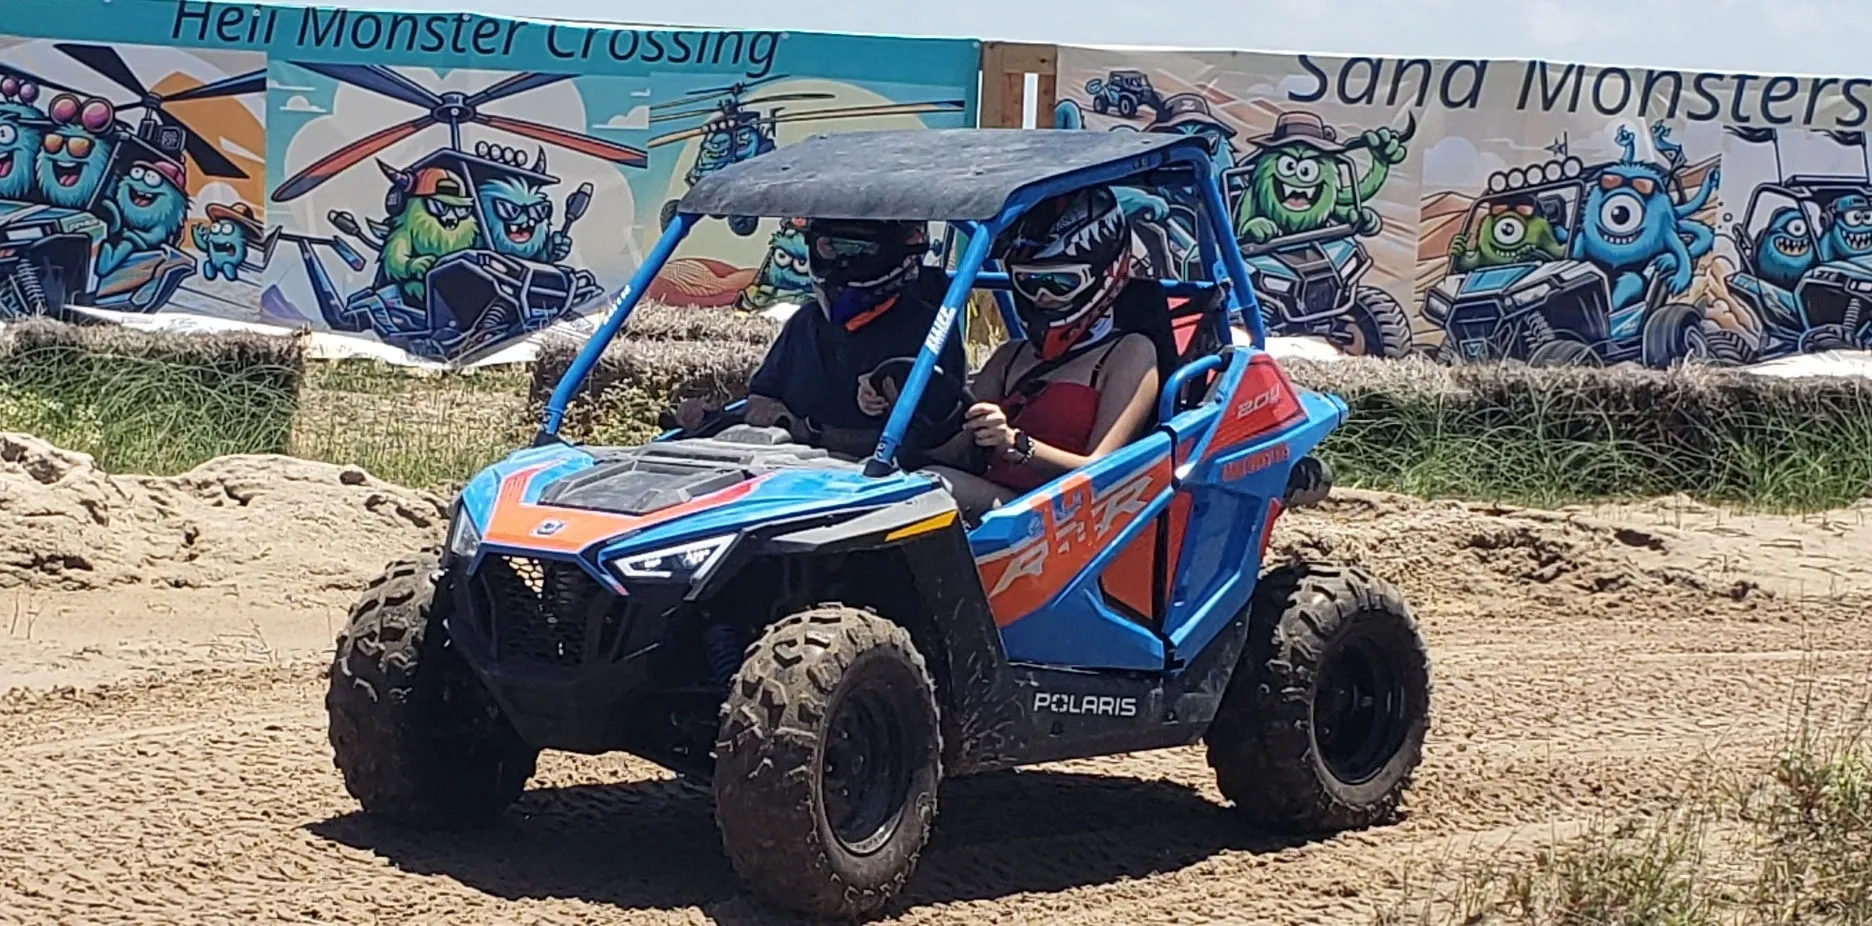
x,y
568,660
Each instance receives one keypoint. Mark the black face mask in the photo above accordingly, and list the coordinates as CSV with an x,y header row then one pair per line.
x,y
856,266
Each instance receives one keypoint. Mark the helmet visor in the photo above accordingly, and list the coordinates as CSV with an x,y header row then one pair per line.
x,y
1052,287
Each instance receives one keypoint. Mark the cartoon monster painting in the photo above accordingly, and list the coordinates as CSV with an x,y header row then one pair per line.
x,y
146,210
75,152
1632,227
22,129
1784,250
225,240
783,275
430,217
1510,232
1849,229
518,212
1296,185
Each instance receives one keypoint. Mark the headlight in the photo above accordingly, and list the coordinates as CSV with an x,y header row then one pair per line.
x,y
463,540
1277,285
686,563
1533,294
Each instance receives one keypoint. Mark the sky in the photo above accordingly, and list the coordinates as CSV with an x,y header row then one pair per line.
x,y
1830,37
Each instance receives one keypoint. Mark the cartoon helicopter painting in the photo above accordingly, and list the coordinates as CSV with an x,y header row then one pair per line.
x,y
466,253
101,222
735,129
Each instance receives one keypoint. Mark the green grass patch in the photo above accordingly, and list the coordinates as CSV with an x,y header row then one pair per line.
x,y
431,430
1789,841
148,403
1552,437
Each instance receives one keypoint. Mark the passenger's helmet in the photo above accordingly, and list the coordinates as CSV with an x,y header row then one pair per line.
x,y
858,268
1067,260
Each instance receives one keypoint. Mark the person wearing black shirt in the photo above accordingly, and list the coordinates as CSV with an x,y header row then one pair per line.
x,y
872,301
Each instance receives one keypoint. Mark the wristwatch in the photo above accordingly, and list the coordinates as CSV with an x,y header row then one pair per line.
x,y
1023,448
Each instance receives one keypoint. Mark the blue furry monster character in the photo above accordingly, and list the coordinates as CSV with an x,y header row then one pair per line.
x,y
784,274
225,240
1849,229
1784,249
75,152
145,211
1634,230
22,131
518,213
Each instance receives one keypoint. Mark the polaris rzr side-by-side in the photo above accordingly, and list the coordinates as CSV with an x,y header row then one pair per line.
x,y
824,640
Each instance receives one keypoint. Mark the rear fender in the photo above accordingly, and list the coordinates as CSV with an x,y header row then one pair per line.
x,y
1234,458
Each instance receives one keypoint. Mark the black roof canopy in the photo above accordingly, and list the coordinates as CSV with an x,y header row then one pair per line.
x,y
928,174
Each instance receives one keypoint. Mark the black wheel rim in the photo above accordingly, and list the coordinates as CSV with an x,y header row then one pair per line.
x,y
865,778
1360,712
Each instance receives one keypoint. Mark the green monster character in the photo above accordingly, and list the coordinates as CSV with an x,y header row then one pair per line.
x,y
225,240
1511,232
431,217
1296,185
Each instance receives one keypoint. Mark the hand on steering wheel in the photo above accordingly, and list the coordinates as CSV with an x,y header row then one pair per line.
x,y
939,413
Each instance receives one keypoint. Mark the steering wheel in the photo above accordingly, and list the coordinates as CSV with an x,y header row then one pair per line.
x,y
938,415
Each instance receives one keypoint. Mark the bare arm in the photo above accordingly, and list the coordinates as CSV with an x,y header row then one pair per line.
x,y
1125,402
986,388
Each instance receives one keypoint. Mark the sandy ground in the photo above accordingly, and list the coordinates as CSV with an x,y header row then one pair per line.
x,y
163,754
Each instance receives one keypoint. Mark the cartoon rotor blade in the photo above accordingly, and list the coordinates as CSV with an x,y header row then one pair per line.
x,y
517,83
788,97
238,85
323,169
584,144
210,159
887,109
730,90
685,114
376,78
105,60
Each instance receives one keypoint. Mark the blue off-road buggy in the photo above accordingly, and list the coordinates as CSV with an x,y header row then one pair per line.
x,y
825,640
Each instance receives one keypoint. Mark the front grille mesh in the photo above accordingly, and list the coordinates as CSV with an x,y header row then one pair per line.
x,y
538,611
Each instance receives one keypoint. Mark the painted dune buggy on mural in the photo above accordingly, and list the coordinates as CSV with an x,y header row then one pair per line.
x,y
1806,302
1516,293
825,640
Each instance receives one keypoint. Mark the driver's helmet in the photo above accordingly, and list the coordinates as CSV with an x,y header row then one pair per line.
x,y
859,268
1067,259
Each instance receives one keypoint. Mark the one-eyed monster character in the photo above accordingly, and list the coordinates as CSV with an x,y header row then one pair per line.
x,y
1634,230
75,152
1784,249
225,240
1511,232
431,217
784,275
1849,229
22,130
145,211
518,213
1295,184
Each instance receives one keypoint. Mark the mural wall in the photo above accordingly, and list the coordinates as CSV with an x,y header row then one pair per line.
x,y
1553,213
439,185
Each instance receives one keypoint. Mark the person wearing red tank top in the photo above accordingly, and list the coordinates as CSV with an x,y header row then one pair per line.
x,y
1073,389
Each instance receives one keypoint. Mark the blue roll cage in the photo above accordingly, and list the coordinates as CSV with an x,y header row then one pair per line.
x,y
1223,263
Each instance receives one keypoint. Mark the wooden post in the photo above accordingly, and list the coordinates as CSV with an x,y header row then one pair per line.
x,y
1004,70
